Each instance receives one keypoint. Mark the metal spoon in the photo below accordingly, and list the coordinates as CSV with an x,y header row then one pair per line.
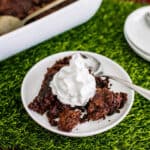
x,y
10,23
97,71
147,18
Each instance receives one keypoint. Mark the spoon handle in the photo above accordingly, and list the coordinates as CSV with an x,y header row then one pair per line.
x,y
147,18
42,10
144,92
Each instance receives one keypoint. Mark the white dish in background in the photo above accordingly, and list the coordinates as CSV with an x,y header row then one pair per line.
x,y
138,30
47,27
137,50
36,75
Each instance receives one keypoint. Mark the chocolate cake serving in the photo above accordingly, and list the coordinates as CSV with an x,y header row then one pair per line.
x,y
105,102
23,8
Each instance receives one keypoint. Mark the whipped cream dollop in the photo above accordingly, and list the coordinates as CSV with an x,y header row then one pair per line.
x,y
73,84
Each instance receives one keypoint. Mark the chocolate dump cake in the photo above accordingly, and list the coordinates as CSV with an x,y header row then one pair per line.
x,y
23,8
65,116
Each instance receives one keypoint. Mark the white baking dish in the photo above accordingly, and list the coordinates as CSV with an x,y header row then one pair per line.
x,y
47,27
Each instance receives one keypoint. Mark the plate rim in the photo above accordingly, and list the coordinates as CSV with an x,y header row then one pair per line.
x,y
129,17
71,134
136,50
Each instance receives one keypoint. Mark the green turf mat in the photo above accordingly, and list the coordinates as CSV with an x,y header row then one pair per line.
x,y
102,34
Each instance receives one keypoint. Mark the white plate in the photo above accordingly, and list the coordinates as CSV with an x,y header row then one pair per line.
x,y
137,50
138,30
32,83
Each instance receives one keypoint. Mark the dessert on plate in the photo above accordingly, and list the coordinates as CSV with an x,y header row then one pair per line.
x,y
70,94
23,8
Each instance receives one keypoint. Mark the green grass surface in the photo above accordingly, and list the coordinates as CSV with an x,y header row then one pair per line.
x,y
102,34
